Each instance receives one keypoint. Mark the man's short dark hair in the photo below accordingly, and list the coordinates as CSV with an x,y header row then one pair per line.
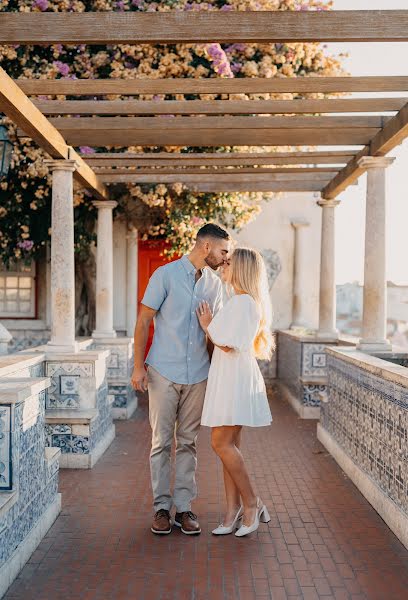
x,y
214,231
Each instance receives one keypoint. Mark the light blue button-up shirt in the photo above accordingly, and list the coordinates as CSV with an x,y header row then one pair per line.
x,y
179,348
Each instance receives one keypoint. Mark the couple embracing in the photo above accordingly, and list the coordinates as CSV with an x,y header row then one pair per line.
x,y
202,369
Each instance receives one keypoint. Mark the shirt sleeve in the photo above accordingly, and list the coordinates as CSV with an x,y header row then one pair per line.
x,y
156,290
236,324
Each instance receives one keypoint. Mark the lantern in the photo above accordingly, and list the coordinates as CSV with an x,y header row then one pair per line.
x,y
6,150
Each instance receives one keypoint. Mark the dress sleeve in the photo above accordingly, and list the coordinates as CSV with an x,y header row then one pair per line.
x,y
236,324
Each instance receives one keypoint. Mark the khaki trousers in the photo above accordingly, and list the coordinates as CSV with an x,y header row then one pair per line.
x,y
174,412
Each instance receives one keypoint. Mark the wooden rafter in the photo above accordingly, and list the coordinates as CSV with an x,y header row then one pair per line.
x,y
15,104
209,107
217,123
218,137
181,27
393,133
238,85
285,172
222,183
168,159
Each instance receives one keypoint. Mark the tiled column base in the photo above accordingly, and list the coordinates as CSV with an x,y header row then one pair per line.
x,y
119,370
302,371
78,415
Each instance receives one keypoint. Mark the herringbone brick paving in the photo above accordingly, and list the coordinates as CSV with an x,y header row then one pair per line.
x,y
324,540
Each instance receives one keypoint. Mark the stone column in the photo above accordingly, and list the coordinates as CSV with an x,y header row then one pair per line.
x,y
299,319
131,292
327,296
62,258
104,270
374,330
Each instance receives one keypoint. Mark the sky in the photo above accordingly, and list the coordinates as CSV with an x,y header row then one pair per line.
x,y
374,59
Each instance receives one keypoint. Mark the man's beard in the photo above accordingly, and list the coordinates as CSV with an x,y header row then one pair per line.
x,y
212,263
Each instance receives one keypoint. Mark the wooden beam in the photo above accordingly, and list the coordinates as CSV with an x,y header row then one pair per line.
x,y
217,123
208,178
286,172
394,132
220,137
209,162
15,104
249,186
195,27
215,85
217,107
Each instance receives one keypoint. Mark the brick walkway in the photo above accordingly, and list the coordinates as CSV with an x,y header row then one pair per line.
x,y
324,540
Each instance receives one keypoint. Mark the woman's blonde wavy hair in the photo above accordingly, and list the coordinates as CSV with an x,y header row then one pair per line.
x,y
248,275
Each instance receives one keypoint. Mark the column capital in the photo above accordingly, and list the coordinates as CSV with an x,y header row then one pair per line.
x,y
61,164
332,203
375,162
296,223
111,204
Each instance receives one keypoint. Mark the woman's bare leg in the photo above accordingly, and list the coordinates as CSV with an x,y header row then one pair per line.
x,y
232,494
223,443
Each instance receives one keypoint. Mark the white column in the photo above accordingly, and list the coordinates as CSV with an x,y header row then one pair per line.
x,y
62,258
132,276
300,274
374,330
104,270
327,295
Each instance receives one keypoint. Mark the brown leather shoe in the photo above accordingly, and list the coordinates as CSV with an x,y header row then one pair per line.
x,y
161,522
188,523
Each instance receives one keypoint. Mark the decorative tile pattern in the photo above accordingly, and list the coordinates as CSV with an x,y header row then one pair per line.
x,y
312,394
5,447
122,394
65,383
313,360
368,417
37,481
273,265
71,444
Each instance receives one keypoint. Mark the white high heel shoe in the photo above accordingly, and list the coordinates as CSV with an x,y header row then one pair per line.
x,y
261,515
223,530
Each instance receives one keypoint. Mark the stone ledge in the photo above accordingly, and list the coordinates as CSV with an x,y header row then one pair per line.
x,y
11,363
73,417
313,380
19,389
371,364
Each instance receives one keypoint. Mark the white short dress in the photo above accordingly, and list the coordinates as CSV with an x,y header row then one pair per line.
x,y
235,393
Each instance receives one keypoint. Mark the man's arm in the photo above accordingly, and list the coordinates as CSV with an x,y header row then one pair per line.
x,y
139,375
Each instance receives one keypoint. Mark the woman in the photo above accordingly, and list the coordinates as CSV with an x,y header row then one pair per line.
x,y
236,394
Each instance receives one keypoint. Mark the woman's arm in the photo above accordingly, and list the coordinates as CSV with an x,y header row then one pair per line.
x,y
204,316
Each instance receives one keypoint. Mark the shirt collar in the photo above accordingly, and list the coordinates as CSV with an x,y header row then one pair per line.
x,y
188,265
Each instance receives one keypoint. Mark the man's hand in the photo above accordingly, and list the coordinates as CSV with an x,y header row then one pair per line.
x,y
139,379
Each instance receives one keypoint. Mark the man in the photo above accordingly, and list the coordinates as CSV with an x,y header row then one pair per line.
x,y
178,364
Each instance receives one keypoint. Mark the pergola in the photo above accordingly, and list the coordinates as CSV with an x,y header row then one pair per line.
x,y
58,125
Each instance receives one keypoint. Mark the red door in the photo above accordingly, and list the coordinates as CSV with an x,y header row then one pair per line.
x,y
150,257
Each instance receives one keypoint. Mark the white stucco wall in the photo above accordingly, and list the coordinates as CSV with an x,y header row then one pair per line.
x,y
272,230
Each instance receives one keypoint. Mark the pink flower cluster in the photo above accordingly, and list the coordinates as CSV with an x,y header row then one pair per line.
x,y
63,68
219,59
41,4
26,245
